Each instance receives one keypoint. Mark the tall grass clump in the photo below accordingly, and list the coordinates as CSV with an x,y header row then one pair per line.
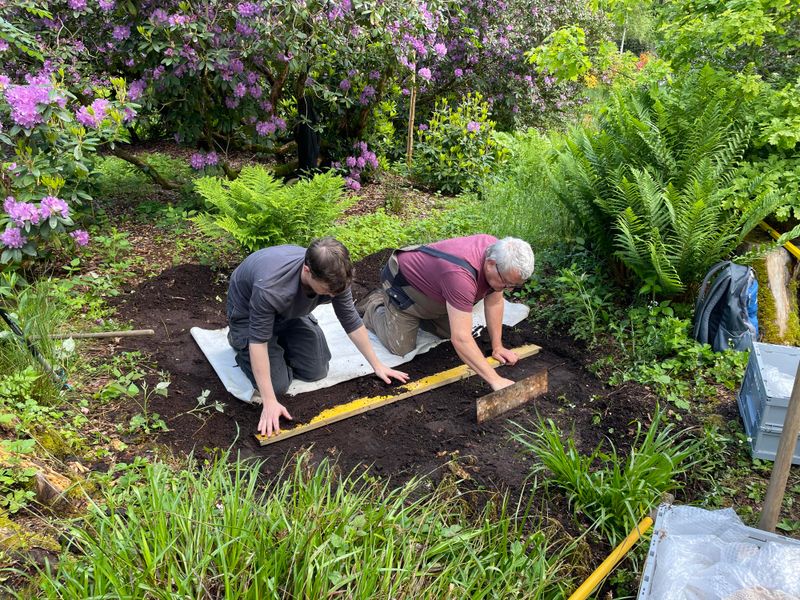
x,y
217,533
612,490
522,202
35,313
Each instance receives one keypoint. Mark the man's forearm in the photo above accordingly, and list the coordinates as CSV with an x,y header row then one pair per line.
x,y
469,352
360,339
493,306
259,362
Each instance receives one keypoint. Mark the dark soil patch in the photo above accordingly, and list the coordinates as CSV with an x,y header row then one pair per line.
x,y
416,436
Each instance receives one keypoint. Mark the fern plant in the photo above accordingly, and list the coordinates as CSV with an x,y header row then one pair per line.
x,y
650,187
258,211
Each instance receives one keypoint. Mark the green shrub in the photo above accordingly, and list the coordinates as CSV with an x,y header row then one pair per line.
x,y
365,234
258,211
457,149
657,350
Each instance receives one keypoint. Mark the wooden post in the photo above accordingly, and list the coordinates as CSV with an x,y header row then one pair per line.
x,y
411,110
783,461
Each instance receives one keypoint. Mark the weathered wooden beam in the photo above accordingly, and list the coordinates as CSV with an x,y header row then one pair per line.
x,y
496,403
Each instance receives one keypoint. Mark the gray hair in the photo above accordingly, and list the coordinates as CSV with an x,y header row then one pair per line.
x,y
512,254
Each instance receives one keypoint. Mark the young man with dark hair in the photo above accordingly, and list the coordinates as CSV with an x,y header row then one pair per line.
x,y
270,299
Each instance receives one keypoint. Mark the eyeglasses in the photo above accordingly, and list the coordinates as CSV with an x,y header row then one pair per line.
x,y
506,284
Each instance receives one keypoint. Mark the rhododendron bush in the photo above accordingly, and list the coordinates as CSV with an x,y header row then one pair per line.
x,y
216,75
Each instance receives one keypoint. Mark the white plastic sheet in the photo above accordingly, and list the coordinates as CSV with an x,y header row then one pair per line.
x,y
346,362
699,554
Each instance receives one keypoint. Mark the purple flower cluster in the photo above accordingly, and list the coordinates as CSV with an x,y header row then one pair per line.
x,y
249,9
367,94
199,160
121,33
473,127
12,238
265,128
94,114
80,236
51,206
24,214
361,160
24,101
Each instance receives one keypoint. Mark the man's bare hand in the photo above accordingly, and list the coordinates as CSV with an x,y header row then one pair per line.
x,y
505,356
387,374
501,383
271,414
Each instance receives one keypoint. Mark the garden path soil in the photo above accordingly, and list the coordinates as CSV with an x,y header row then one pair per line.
x,y
414,437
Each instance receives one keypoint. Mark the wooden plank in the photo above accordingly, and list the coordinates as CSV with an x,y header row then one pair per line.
x,y
362,405
496,403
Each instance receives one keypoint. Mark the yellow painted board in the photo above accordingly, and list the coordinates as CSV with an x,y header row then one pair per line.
x,y
362,405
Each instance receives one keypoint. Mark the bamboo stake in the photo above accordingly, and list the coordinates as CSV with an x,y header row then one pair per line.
x,y
103,334
412,106
362,405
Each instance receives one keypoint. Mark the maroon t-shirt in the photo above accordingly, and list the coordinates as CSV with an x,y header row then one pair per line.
x,y
444,281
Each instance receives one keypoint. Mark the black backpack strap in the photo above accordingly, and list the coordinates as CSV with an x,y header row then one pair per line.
x,y
449,258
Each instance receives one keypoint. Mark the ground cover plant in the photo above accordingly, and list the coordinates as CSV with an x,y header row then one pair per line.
x,y
146,148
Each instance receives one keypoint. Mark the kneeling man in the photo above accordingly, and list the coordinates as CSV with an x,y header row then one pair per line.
x,y
436,287
270,298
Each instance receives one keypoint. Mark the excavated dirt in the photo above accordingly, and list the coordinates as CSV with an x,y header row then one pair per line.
x,y
413,437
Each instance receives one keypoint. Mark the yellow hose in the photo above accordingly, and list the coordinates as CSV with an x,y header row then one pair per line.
x,y
788,245
601,572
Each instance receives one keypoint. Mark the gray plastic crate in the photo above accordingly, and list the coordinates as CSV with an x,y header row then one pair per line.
x,y
764,397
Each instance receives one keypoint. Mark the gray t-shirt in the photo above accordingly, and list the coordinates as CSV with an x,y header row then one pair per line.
x,y
265,290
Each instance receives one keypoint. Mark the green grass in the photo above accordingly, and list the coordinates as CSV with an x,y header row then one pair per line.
x,y
217,533
521,202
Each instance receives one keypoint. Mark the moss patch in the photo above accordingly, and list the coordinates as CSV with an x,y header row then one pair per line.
x,y
767,321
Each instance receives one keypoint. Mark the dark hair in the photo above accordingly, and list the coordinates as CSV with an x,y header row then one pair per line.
x,y
329,262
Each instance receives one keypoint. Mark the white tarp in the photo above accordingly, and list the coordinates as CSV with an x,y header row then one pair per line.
x,y
346,362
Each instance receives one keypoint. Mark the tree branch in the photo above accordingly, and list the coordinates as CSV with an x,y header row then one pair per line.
x,y
127,156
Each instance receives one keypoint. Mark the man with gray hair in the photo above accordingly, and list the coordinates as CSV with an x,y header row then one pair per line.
x,y
436,286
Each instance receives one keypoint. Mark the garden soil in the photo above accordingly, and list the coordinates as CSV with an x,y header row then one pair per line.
x,y
432,434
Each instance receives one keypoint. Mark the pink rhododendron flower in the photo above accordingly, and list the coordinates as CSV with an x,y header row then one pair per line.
x,y
94,114
50,205
80,236
12,238
121,32
21,213
24,99
425,73
197,161
473,127
264,128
